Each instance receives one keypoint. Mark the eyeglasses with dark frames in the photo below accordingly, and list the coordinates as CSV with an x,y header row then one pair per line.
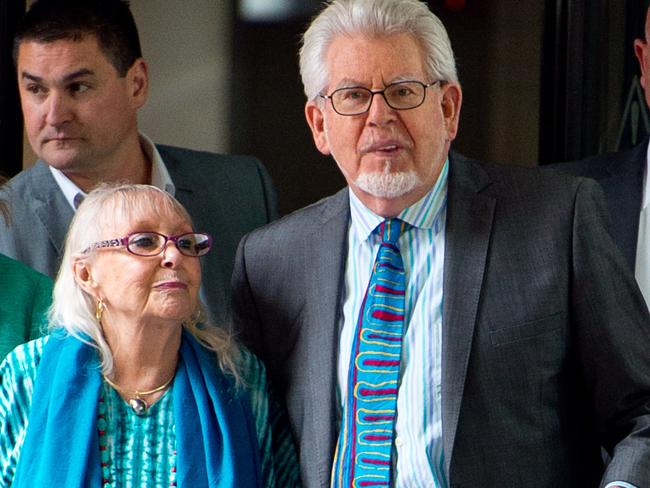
x,y
356,100
192,244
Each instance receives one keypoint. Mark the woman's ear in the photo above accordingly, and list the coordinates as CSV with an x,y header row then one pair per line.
x,y
84,277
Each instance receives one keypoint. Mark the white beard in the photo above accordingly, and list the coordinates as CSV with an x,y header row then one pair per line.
x,y
388,184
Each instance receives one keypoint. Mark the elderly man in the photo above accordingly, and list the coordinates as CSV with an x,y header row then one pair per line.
x,y
82,79
498,340
624,178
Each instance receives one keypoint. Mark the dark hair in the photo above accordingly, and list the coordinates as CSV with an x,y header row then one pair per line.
x,y
110,21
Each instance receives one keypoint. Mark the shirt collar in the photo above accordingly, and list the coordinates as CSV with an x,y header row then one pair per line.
x,y
159,175
424,214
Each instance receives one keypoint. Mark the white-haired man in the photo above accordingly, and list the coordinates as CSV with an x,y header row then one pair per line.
x,y
440,322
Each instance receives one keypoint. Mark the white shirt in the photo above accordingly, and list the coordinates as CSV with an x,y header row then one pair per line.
x,y
417,452
159,175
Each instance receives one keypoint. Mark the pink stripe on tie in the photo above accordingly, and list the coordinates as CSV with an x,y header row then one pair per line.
x,y
384,391
387,316
375,461
377,418
379,362
392,291
374,437
385,338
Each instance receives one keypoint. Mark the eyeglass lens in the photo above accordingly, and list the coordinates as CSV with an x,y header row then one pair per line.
x,y
151,243
400,96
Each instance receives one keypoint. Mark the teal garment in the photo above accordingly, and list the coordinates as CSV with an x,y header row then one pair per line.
x,y
138,451
25,296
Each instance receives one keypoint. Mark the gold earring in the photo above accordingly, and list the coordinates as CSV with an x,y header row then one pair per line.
x,y
99,309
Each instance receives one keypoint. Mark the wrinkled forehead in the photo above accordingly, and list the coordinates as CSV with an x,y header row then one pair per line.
x,y
361,58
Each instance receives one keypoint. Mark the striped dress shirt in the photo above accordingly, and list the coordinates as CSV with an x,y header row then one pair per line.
x,y
418,459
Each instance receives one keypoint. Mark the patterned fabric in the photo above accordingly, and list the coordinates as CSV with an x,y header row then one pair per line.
x,y
139,450
418,458
366,438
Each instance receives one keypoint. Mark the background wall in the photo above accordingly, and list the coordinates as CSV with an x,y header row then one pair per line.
x,y
187,45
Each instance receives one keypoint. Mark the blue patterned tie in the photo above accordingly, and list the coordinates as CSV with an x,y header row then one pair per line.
x,y
363,453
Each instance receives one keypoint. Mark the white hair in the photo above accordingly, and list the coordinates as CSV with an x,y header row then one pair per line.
x,y
73,309
374,18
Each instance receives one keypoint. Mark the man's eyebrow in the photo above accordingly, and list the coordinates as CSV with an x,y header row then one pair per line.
x,y
352,83
69,77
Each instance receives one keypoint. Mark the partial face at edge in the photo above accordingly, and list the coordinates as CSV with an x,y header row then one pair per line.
x,y
642,51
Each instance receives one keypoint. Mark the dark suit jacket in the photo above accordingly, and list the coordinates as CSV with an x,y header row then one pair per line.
x,y
226,196
621,176
545,334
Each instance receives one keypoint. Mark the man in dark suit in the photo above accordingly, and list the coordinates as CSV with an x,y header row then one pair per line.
x,y
82,79
623,176
524,339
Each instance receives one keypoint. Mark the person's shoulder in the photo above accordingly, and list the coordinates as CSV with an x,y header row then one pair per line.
x,y
180,156
512,178
25,180
308,219
11,269
601,166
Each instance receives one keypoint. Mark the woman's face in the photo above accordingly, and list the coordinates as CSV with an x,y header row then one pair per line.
x,y
161,288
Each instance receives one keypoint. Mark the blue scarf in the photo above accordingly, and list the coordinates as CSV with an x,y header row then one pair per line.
x,y
215,432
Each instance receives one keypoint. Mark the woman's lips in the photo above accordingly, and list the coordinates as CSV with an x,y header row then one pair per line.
x,y
171,285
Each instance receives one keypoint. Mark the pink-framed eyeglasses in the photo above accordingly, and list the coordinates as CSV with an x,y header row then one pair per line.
x,y
192,244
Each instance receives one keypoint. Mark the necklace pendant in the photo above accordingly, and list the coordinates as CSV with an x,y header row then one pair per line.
x,y
138,405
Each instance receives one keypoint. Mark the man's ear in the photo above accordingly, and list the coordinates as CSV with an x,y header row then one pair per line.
x,y
450,103
84,277
641,48
316,121
137,79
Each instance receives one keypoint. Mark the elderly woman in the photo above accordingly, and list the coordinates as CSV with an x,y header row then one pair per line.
x,y
24,299
129,389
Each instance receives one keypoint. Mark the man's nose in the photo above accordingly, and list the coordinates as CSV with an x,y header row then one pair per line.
x,y
59,109
380,113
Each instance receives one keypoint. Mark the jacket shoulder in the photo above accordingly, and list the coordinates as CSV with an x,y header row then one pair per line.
x,y
308,219
180,156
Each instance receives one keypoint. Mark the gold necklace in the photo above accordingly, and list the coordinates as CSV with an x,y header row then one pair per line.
x,y
138,404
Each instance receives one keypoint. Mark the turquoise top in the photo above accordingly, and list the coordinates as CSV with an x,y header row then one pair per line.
x,y
24,299
137,451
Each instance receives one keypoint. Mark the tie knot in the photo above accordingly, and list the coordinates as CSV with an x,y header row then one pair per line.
x,y
391,229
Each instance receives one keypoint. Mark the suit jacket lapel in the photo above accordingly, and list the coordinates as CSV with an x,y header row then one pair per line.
x,y
469,224
50,206
624,192
325,265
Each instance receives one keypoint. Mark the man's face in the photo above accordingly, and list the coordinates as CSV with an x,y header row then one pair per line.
x,y
642,51
390,158
79,113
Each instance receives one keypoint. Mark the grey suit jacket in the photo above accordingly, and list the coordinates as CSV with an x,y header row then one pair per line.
x,y
545,334
226,196
621,176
